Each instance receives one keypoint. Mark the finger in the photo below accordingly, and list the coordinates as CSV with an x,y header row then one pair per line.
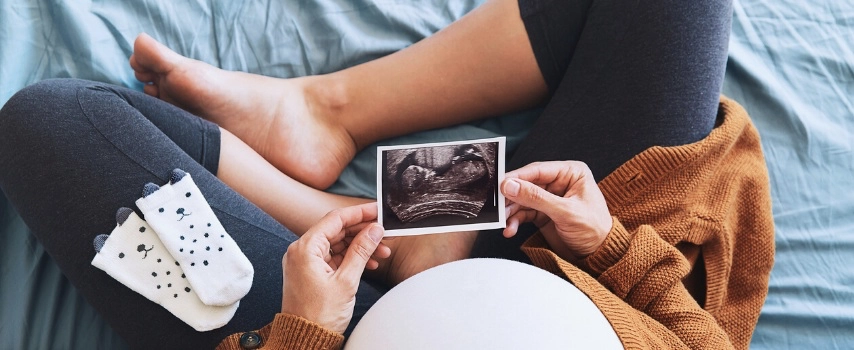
x,y
372,264
355,229
338,248
336,261
333,225
359,252
511,228
383,251
553,176
532,196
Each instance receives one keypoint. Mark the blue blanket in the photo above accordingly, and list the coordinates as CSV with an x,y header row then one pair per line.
x,y
791,65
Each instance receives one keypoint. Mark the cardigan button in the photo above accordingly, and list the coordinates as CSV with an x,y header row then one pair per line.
x,y
250,340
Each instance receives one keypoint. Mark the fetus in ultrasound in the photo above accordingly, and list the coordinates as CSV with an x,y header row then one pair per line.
x,y
442,180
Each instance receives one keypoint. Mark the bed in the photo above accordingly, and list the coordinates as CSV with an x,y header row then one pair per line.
x,y
791,65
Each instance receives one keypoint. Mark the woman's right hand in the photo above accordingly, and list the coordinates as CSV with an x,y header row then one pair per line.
x,y
563,200
323,268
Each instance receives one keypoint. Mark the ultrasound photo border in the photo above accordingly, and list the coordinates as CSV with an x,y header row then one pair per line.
x,y
502,219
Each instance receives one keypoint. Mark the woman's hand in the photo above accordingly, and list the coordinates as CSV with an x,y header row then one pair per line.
x,y
563,200
323,268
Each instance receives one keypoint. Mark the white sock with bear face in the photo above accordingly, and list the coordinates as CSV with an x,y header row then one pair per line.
x,y
215,266
133,255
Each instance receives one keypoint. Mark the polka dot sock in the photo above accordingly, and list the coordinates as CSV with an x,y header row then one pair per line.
x,y
133,255
218,271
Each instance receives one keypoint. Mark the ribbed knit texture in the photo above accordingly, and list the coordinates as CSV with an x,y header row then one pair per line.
x,y
290,332
712,194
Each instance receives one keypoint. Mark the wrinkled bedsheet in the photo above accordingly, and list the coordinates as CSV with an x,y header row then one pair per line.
x,y
791,65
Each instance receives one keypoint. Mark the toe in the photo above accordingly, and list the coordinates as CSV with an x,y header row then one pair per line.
x,y
151,90
150,55
144,77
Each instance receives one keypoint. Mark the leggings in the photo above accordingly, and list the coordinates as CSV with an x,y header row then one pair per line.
x,y
622,76
68,165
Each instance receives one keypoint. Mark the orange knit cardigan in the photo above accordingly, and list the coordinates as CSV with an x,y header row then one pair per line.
x,y
687,262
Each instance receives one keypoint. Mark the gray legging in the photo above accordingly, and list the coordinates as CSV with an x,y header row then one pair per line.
x,y
624,76
75,151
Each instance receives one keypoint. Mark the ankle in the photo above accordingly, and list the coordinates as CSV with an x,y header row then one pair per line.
x,y
329,100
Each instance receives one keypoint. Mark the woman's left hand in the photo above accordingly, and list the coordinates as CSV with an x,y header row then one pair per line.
x,y
563,200
323,268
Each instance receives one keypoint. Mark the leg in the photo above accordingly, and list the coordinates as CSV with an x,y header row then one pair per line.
x,y
640,75
68,165
626,77
415,89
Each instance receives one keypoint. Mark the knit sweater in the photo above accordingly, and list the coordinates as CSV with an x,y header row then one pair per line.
x,y
687,262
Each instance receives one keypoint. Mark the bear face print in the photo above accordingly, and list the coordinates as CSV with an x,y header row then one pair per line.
x,y
194,236
134,255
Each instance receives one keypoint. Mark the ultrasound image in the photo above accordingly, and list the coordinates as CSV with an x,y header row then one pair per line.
x,y
440,181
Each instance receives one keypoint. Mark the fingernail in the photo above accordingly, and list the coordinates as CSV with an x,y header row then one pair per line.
x,y
511,188
375,233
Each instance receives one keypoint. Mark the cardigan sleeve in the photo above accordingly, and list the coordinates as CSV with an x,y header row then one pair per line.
x,y
635,278
290,332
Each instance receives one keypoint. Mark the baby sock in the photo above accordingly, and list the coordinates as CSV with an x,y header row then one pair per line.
x,y
186,224
133,255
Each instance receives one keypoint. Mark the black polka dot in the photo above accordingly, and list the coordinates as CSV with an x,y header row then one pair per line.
x,y
160,210
220,248
183,276
181,250
208,248
188,194
221,236
206,263
191,252
154,274
169,285
168,273
192,264
209,224
158,286
121,255
176,263
182,238
187,289
191,226
206,235
176,295
158,260
142,229
194,241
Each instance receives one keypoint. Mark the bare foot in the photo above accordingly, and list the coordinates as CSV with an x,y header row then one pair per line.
x,y
273,116
413,254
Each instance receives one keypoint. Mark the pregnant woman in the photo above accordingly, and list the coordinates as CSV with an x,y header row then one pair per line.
x,y
662,218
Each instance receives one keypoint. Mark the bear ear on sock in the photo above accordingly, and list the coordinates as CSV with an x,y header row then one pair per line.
x,y
177,175
122,215
148,189
99,242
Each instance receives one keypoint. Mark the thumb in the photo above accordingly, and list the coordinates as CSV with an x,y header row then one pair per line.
x,y
529,195
360,251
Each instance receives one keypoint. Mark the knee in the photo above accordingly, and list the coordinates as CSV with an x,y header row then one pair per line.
x,y
37,107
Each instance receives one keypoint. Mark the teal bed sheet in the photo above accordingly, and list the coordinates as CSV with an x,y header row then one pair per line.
x,y
791,65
